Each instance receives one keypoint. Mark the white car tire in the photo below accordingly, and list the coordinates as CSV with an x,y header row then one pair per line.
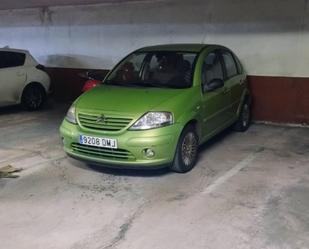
x,y
33,97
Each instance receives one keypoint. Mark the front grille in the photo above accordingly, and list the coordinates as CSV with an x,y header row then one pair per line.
x,y
106,123
104,153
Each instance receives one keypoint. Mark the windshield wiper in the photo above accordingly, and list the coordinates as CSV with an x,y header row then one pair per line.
x,y
157,84
141,84
134,84
114,83
148,84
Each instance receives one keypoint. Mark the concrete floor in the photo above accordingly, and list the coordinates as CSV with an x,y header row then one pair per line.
x,y
249,190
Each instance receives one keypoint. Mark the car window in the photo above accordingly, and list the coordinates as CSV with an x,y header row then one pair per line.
x,y
239,66
11,59
212,68
229,62
167,69
137,61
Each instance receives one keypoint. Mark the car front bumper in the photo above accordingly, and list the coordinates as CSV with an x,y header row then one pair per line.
x,y
131,146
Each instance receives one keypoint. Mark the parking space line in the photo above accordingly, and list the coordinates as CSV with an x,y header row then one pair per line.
x,y
233,171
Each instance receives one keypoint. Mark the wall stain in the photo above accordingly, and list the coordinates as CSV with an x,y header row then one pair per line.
x,y
46,16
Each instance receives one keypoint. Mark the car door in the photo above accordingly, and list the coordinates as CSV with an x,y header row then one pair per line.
x,y
12,76
234,81
214,102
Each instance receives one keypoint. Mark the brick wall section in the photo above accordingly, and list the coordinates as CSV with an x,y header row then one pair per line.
x,y
280,99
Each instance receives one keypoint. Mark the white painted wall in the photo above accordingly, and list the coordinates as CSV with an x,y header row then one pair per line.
x,y
271,37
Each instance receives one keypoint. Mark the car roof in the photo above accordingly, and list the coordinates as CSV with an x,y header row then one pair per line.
x,y
185,47
6,49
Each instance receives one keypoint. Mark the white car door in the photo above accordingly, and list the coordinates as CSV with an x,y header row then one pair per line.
x,y
12,77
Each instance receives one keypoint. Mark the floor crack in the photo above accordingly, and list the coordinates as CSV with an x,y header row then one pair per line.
x,y
125,227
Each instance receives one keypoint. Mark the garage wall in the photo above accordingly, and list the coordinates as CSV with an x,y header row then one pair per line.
x,y
270,37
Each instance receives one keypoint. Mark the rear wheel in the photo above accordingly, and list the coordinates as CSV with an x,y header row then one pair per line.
x,y
186,151
243,122
33,97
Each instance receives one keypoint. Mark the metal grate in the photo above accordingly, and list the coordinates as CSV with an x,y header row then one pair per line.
x,y
105,153
103,123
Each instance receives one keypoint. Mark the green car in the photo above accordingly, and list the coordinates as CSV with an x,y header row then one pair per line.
x,y
157,106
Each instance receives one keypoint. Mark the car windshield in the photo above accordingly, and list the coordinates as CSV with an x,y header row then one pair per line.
x,y
168,69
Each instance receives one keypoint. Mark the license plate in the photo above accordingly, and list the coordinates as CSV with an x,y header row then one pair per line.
x,y
98,141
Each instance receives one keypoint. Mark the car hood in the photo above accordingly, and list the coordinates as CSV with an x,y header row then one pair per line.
x,y
127,100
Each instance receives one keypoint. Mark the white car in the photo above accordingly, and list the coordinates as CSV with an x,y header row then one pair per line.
x,y
22,79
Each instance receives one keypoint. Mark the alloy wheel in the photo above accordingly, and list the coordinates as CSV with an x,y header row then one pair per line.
x,y
34,98
189,148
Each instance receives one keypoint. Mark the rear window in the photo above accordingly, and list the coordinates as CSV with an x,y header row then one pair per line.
x,y
11,59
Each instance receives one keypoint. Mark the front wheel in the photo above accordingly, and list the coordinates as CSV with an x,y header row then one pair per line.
x,y
186,151
33,97
243,122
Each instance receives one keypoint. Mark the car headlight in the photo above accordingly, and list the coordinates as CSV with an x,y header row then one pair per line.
x,y
153,120
70,117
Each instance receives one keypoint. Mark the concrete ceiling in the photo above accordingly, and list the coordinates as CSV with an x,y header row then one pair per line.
x,y
22,4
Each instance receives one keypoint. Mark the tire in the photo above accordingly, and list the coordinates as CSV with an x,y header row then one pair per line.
x,y
33,97
186,151
244,119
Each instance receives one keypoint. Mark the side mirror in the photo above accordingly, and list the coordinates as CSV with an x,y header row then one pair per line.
x,y
213,85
